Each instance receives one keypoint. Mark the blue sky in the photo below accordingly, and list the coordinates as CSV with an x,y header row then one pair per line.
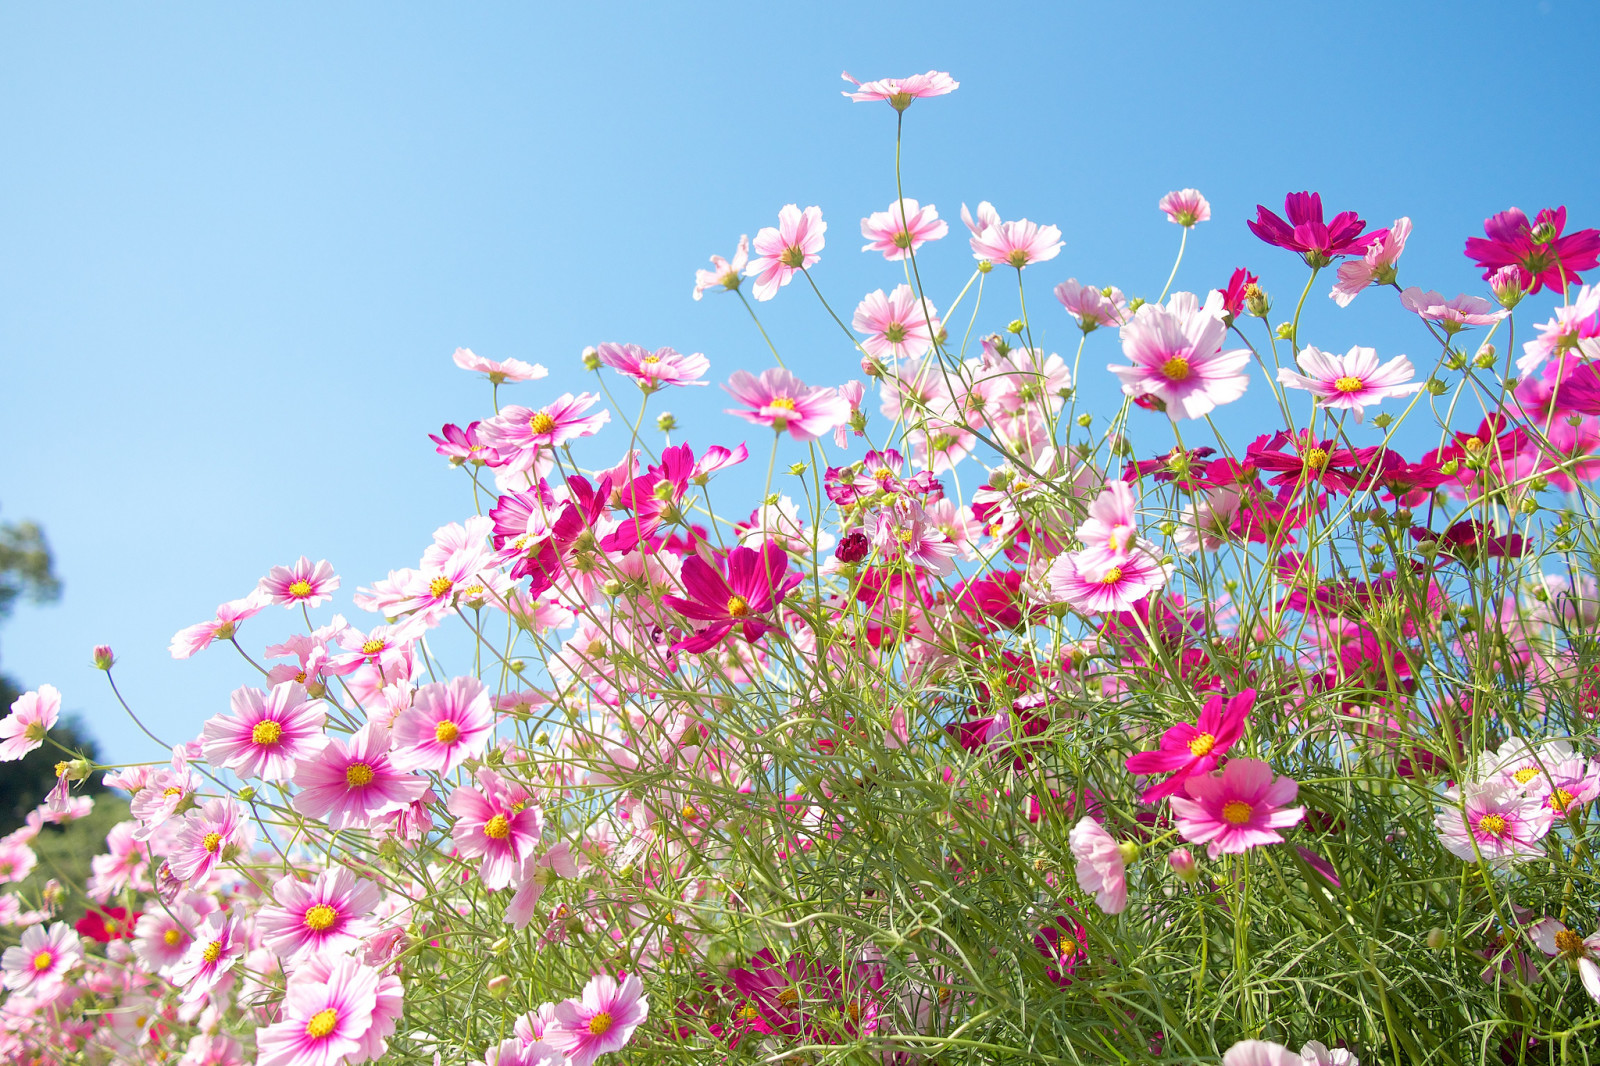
x,y
238,245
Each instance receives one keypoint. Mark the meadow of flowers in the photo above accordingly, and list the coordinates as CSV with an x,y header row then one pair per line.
x,y
1004,729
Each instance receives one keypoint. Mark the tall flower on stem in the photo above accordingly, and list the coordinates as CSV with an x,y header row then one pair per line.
x,y
1499,822
1537,250
754,584
602,1020
1350,381
1185,207
784,402
1239,807
793,246
1018,244
899,92
33,715
323,1020
1177,358
724,272
1318,243
1375,267
267,733
651,370
902,229
897,326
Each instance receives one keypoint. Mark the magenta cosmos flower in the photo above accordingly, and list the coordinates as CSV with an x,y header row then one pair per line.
x,y
1187,750
495,822
33,715
1239,807
1317,242
1537,250
347,785
754,585
267,733
651,370
1350,381
793,246
331,913
723,272
902,229
446,724
602,1020
899,92
301,583
38,965
1185,207
1178,359
1100,865
784,402
1019,244
1498,822
897,326
322,1020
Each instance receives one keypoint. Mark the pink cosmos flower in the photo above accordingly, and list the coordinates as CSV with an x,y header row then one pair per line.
x,y
464,446
328,915
39,964
301,583
322,1020
784,402
218,944
446,724
1375,267
1497,821
1185,207
1454,314
538,873
794,245
521,432
898,326
267,733
899,92
1260,1053
723,272
1537,250
754,585
33,715
1318,244
349,784
1574,330
651,370
1351,381
1112,522
1237,808
1092,308
1100,866
902,229
602,1021
1096,582
1188,750
208,836
495,822
163,934
1178,359
904,531
1019,244
199,636
499,372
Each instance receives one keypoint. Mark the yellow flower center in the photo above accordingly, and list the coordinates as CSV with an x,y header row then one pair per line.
x,y
172,938
1526,774
1176,368
1066,947
747,1012
1348,384
372,647
541,424
322,1023
738,606
358,775
440,586
1202,745
1560,800
793,256
266,733
689,813
1112,576
651,360
600,1024
1317,459
172,790
1018,258
320,917
788,997
883,473
1492,824
211,842
43,961
783,403
446,732
1569,943
1473,445
1236,812
300,589
213,951
497,828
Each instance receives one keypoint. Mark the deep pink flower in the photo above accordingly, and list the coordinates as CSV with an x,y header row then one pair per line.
x,y
1375,267
794,245
784,402
1092,308
267,732
465,446
347,785
331,913
1061,942
1318,243
1234,296
1185,207
37,966
495,822
1100,865
899,92
446,724
499,372
754,585
723,272
1187,750
1019,244
1351,381
902,229
1454,314
1178,359
301,583
194,638
601,1021
323,1018
651,370
33,715
1237,808
1538,251
897,326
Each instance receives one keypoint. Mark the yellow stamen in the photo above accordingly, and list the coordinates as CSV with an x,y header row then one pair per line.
x,y
541,424
320,917
738,606
1492,824
213,951
300,589
497,828
266,733
1202,745
1236,812
446,732
1112,576
783,403
172,938
372,647
358,775
600,1024
322,1023
211,842
440,586
1348,384
1176,368
43,961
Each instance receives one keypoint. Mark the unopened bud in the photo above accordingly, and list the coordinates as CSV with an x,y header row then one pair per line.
x,y
1285,331
1450,467
1506,283
872,366
1528,505
1015,326
499,986
797,469
985,265
103,657
247,793
1485,357
666,422
1085,419
612,587
499,946
1129,850
591,359
1436,939
1437,387
1382,421
1182,862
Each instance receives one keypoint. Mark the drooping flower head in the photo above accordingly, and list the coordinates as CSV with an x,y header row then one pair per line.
x,y
781,252
1239,807
1185,207
1317,242
1537,250
1091,307
899,92
1350,381
1375,267
1455,314
1100,866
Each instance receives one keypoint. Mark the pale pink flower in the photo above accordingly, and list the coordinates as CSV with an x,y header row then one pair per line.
x,y
1092,308
1376,267
331,914
124,865
1112,523
1019,244
1177,357
38,965
499,372
794,245
1100,866
33,715
301,583
538,872
784,402
1454,314
267,732
522,432
651,370
987,216
1575,330
214,833
899,92
897,326
323,1018
1350,381
904,531
601,1021
349,784
852,392
902,229
1236,808
496,823
1185,207
723,272
217,945
162,934
446,724
199,636
1260,1053
1097,582
17,859
1498,822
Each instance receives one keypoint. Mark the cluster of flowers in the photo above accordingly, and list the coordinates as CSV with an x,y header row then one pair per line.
x,y
846,773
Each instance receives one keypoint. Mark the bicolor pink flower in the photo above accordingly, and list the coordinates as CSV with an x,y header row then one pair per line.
x,y
499,372
464,446
1112,522
538,873
601,1021
1498,822
1096,582
1453,315
38,965
1537,250
323,1019
1092,308
651,370
1318,243
899,92
347,785
163,933
1375,267
217,945
330,914
1350,381
1019,244
905,532
199,636
897,326
1185,207
1178,359
213,834
1188,750
1573,332
784,402
522,431
266,733
1239,807
33,715
300,584
446,724
794,245
902,229
1099,865
495,823
747,595
723,272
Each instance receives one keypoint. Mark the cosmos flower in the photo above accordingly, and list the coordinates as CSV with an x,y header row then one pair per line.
x,y
901,229
323,1019
744,594
1351,381
267,733
1499,822
33,715
1537,250
1189,750
1375,267
349,783
498,372
899,92
781,252
897,326
784,402
1317,242
1100,866
723,272
38,965
1239,807
446,724
1177,357
1185,207
651,370
330,913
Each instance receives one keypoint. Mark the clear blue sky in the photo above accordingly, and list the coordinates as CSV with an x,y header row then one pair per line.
x,y
239,243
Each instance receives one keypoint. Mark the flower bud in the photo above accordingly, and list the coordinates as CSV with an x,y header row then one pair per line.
x,y
1382,421
1129,850
591,359
665,422
499,946
1182,862
1436,939
985,265
1015,326
103,657
612,587
247,793
1485,357
1285,331
1437,387
499,986
1506,284
1450,468
797,469
1085,419
1256,300
872,366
